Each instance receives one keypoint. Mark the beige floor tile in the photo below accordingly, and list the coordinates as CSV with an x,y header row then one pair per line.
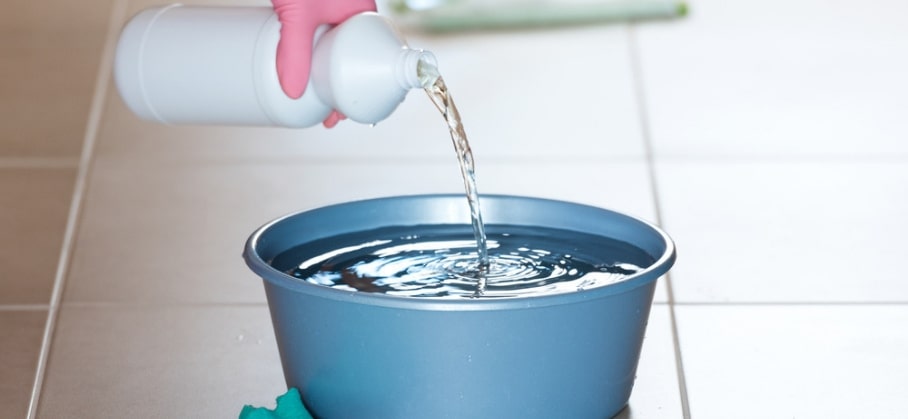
x,y
34,204
656,393
20,340
173,232
620,185
50,56
752,231
795,361
738,78
161,362
54,21
46,95
512,108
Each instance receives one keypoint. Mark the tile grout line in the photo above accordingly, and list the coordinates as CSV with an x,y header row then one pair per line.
x,y
38,163
334,161
24,307
792,303
639,92
155,305
118,11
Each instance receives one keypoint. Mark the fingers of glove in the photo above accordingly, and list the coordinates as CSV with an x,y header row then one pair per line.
x,y
294,49
333,119
337,11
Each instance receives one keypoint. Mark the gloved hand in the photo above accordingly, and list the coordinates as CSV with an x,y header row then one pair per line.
x,y
299,20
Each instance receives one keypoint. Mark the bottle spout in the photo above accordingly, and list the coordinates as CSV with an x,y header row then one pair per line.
x,y
417,69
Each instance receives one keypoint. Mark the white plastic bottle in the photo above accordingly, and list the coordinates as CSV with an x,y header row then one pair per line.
x,y
217,65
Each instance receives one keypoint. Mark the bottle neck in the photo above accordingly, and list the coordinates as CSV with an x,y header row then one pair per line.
x,y
413,66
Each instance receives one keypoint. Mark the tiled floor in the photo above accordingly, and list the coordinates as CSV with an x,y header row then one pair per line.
x,y
768,139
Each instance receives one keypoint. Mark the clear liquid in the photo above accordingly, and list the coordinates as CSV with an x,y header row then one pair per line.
x,y
435,87
440,261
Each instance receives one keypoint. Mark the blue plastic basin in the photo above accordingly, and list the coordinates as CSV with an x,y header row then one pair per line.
x,y
371,356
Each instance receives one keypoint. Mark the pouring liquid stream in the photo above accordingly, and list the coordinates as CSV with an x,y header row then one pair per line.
x,y
443,261
435,88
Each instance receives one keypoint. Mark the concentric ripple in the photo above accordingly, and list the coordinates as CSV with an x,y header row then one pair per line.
x,y
442,262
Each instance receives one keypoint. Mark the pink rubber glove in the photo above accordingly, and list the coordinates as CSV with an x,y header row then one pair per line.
x,y
299,20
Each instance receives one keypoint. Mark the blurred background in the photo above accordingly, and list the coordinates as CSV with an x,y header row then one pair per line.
x,y
768,138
